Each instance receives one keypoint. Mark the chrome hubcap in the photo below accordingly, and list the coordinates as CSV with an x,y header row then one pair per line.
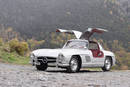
x,y
108,64
74,64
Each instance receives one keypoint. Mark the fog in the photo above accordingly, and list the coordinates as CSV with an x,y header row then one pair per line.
x,y
28,16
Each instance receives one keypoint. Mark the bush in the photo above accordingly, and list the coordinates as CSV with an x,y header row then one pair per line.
x,y
34,43
13,45
20,47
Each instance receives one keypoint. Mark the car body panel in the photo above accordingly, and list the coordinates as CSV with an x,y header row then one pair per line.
x,y
90,31
47,52
76,33
85,54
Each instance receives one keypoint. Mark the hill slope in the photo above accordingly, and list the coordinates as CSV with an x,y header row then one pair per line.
x,y
31,17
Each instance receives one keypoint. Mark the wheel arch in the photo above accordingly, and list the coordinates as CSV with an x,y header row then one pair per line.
x,y
79,58
110,58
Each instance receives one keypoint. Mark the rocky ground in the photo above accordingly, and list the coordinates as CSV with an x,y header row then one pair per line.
x,y
28,76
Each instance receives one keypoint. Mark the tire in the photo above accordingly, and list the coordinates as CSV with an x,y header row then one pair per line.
x,y
42,66
107,64
74,65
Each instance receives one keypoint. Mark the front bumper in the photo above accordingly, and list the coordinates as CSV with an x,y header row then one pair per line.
x,y
50,62
39,60
62,65
56,64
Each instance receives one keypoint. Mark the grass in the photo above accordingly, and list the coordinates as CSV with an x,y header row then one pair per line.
x,y
13,58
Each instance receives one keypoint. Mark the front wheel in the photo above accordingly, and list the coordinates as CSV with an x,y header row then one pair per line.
x,y
74,65
42,66
107,64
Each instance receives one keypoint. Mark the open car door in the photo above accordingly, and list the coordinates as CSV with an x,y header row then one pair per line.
x,y
90,31
86,35
76,33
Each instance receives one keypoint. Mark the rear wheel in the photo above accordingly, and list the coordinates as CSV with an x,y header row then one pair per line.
x,y
42,66
74,65
107,64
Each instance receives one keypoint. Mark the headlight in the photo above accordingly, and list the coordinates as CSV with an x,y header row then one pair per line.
x,y
61,58
61,55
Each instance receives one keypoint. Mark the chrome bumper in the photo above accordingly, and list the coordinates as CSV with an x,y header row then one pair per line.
x,y
35,61
62,65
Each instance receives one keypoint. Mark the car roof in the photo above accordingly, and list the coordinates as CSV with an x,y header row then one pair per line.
x,y
83,40
79,40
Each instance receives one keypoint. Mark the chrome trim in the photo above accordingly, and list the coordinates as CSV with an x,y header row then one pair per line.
x,y
62,65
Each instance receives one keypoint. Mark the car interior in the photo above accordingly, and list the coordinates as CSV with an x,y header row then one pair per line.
x,y
93,46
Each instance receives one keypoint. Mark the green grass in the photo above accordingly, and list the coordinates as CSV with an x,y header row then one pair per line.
x,y
13,58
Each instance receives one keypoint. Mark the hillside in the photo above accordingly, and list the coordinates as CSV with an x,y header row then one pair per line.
x,y
36,18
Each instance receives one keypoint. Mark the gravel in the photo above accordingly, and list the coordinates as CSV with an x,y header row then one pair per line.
x,y
28,76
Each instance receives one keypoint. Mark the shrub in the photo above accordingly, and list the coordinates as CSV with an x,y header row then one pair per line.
x,y
20,47
34,43
13,45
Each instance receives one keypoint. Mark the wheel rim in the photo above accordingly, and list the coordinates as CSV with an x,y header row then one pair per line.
x,y
74,64
108,64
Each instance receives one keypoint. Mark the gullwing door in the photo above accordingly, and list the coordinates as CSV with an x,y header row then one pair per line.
x,y
76,33
90,31
85,35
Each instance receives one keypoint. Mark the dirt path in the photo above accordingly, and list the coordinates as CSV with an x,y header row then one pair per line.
x,y
28,76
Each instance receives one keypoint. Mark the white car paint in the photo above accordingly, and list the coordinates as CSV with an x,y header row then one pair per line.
x,y
68,53
47,52
61,57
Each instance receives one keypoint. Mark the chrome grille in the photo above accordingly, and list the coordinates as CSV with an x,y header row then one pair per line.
x,y
48,59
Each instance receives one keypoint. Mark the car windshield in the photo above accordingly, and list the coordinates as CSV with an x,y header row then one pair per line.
x,y
76,44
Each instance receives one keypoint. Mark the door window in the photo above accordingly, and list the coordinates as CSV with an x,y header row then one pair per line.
x,y
93,46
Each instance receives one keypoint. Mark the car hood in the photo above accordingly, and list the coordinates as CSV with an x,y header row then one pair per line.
x,y
108,53
47,52
66,52
55,52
